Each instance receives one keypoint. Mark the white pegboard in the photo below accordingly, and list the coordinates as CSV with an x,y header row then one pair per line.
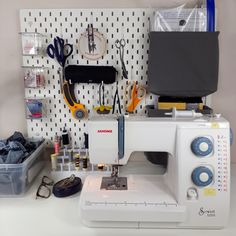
x,y
132,24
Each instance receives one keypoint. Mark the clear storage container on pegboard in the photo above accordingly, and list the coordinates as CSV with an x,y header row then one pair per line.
x,y
32,43
34,77
35,108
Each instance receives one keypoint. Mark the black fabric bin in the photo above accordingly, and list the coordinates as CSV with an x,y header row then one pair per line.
x,y
183,64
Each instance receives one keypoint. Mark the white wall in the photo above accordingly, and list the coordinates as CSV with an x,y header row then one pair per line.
x,y
11,82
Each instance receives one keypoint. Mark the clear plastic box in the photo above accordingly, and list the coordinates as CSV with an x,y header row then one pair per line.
x,y
35,108
32,43
15,179
34,77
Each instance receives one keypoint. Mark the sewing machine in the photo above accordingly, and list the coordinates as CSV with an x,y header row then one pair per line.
x,y
194,192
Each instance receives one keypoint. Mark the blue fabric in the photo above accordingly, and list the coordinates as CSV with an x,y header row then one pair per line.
x,y
14,152
15,149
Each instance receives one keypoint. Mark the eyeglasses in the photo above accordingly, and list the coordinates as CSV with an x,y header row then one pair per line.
x,y
43,190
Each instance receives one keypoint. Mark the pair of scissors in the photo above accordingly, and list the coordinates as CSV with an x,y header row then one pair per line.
x,y
91,42
120,44
59,50
134,94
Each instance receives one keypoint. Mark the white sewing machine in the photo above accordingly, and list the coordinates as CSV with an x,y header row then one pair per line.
x,y
193,193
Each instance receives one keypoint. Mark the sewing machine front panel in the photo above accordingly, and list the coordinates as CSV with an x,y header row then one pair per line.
x,y
103,140
204,174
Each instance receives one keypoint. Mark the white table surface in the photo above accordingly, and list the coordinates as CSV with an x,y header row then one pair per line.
x,y
27,216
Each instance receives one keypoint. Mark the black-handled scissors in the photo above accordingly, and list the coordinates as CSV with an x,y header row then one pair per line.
x,y
59,50
120,44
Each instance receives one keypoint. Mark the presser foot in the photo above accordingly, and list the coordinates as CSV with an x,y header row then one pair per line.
x,y
114,183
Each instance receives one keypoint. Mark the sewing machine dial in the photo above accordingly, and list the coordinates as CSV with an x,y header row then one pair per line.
x,y
202,176
202,146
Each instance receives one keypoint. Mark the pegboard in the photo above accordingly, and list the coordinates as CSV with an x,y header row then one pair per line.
x,y
130,24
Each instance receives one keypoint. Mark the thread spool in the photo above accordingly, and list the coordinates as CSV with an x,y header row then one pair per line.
x,y
77,161
70,155
54,161
65,138
85,161
56,144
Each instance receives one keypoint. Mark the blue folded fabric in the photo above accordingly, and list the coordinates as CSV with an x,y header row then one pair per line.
x,y
15,149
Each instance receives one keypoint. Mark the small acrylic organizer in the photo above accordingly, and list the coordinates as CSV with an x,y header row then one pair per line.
x,y
32,43
35,108
76,162
34,77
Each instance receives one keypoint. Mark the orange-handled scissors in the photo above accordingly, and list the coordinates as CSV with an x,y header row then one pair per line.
x,y
135,95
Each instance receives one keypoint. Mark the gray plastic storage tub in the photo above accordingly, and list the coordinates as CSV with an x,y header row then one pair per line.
x,y
15,179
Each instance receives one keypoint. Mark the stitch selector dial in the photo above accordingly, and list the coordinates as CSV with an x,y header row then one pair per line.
x,y
202,146
202,176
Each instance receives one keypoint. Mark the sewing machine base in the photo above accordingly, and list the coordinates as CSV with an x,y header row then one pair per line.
x,y
142,225
148,203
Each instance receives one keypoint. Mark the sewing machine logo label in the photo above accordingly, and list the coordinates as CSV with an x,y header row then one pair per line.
x,y
104,131
207,212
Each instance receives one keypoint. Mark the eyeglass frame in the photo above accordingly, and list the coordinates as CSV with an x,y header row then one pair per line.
x,y
45,184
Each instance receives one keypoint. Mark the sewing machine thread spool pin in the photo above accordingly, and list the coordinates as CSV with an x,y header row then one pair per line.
x,y
186,113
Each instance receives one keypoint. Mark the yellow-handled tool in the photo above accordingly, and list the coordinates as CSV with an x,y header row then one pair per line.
x,y
102,109
78,110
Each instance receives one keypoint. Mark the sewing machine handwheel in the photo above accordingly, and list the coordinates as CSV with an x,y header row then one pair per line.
x,y
202,146
202,176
